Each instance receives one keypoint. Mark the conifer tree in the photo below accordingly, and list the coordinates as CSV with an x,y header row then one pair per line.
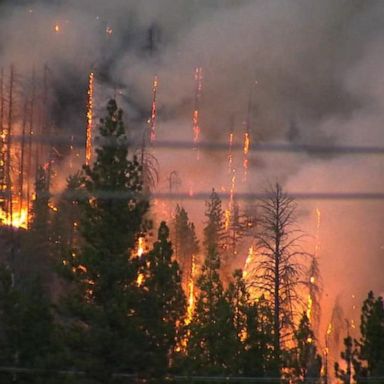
x,y
101,308
307,362
259,358
164,303
185,241
213,344
27,337
214,231
280,267
371,342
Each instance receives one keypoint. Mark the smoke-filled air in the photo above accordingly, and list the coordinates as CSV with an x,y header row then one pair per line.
x,y
205,163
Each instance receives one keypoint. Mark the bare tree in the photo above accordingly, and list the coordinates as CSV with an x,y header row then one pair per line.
x,y
279,268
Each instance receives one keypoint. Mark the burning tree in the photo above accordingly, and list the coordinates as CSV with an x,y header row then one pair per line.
x,y
278,272
102,305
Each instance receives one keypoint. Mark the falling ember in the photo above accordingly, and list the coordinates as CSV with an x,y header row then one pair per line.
x,y
140,246
153,119
230,155
196,110
57,28
309,307
228,212
318,222
191,292
88,143
248,262
245,153
140,279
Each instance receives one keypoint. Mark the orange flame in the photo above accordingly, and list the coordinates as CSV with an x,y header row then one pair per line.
x,y
191,292
152,120
88,144
245,152
195,115
19,218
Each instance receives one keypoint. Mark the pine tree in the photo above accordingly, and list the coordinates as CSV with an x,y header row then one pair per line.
x,y
307,362
36,255
214,231
279,268
349,357
101,308
27,337
213,344
185,242
258,344
370,345
164,303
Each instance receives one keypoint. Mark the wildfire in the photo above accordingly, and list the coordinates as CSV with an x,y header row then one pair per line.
x,y
309,307
88,144
230,155
228,212
245,153
140,246
196,110
191,292
19,219
318,222
153,118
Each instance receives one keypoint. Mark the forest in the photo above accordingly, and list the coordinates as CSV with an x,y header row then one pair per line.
x,y
94,292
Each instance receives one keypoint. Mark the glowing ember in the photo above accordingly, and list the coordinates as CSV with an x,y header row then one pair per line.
x,y
245,153
140,246
196,110
309,307
88,143
191,292
57,28
230,155
140,279
152,120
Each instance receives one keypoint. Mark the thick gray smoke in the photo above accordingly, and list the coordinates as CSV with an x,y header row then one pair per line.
x,y
313,68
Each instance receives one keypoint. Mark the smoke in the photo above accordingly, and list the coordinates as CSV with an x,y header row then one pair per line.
x,y
312,70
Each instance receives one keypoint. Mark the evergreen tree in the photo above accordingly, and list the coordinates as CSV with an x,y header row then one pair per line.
x,y
214,231
104,330
370,345
307,362
258,344
36,254
164,303
349,356
27,337
213,343
185,242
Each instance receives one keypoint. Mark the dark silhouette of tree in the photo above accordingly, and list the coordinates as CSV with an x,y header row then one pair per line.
x,y
214,230
370,345
101,307
306,360
213,343
185,242
349,355
27,337
279,271
164,303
